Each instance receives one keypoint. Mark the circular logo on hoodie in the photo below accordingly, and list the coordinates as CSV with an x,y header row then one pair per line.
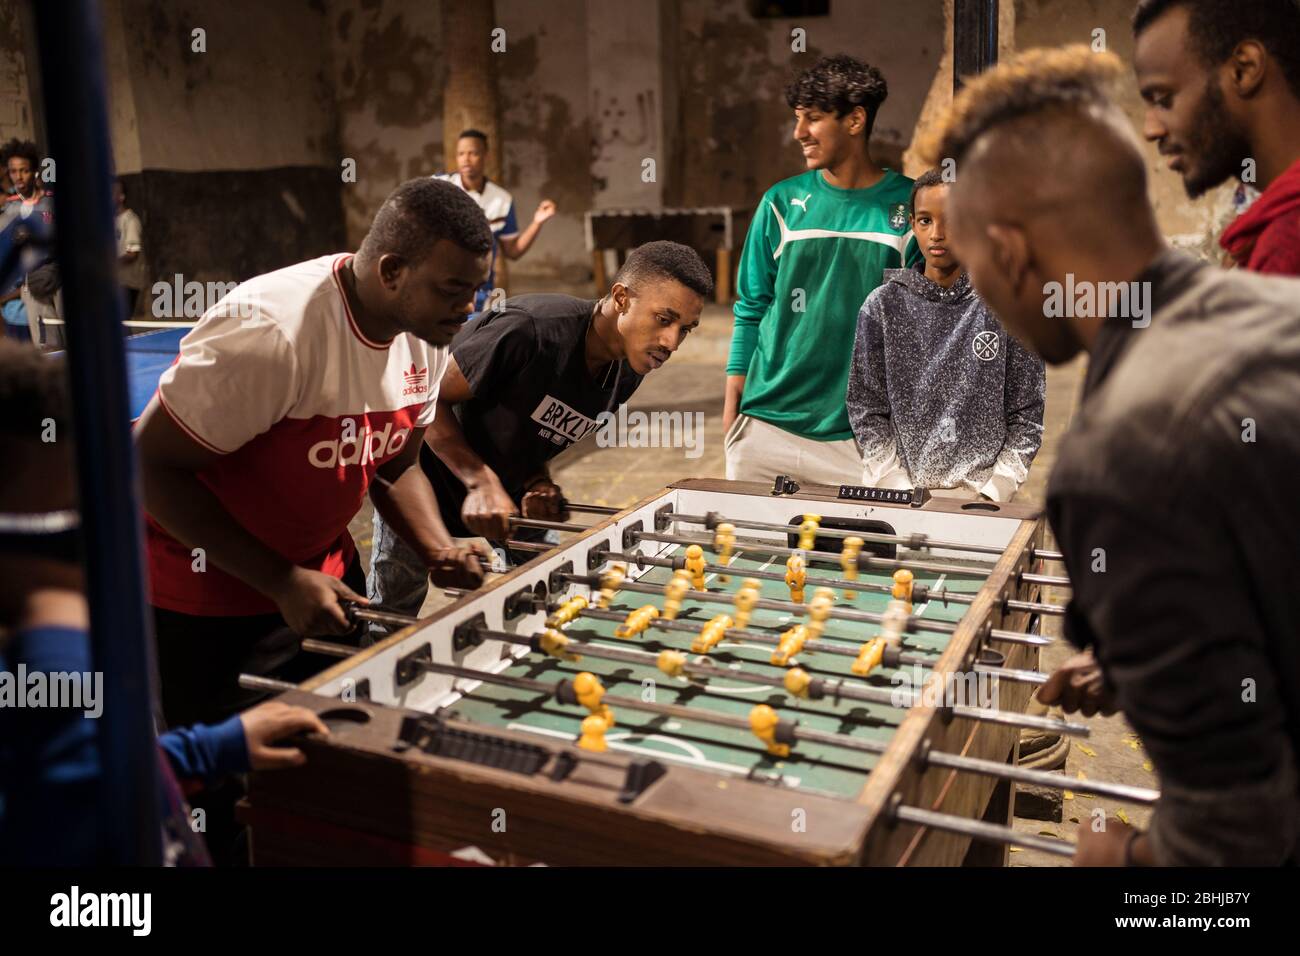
x,y
985,346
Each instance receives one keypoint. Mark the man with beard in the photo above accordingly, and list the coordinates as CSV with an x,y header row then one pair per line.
x,y
1165,499
1221,81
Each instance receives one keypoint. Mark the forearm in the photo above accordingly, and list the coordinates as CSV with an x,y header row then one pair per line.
x,y
190,513
411,509
522,241
447,440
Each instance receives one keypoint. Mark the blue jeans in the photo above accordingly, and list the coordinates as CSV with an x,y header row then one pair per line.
x,y
398,580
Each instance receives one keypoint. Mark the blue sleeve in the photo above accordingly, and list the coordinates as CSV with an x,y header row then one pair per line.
x,y
511,228
49,760
203,753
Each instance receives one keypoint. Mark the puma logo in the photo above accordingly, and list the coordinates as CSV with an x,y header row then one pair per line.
x,y
801,203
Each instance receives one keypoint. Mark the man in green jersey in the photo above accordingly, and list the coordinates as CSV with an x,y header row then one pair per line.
x,y
817,247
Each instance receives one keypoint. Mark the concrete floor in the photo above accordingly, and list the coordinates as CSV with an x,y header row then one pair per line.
x,y
693,382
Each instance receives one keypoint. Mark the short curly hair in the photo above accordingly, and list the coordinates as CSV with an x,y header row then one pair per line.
x,y
666,260
1216,27
33,389
838,84
931,177
1032,82
23,149
421,211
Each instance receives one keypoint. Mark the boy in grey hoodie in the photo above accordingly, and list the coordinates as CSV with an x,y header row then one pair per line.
x,y
939,396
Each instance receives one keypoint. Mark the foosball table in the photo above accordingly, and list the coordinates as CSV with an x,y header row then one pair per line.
x,y
722,674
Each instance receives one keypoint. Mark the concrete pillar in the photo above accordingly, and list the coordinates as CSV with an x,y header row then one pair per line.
x,y
630,77
470,96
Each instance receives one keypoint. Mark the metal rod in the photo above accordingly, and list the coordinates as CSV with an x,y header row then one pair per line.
x,y
768,604
865,561
1034,607
1051,580
1016,637
1042,778
1042,554
592,509
257,682
329,647
363,613
1012,674
915,542
834,687
924,594
70,42
979,830
821,647
533,546
542,525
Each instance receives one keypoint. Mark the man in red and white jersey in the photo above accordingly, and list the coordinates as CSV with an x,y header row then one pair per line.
x,y
294,396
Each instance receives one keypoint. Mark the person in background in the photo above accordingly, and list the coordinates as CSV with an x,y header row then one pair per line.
x,y
49,756
527,381
940,397
130,248
818,244
34,206
497,204
1221,81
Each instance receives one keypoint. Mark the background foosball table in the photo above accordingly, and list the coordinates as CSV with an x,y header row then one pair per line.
x,y
710,745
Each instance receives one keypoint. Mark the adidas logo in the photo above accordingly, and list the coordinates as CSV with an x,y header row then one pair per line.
x,y
417,380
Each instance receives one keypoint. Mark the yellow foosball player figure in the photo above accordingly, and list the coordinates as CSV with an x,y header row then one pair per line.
x,y
695,566
637,621
672,663
849,562
792,642
566,612
763,721
711,634
797,681
795,577
590,692
610,582
819,610
554,643
869,657
593,734
808,531
902,589
674,591
745,600
724,539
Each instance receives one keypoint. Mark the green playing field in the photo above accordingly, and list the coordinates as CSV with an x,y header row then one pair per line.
x,y
820,767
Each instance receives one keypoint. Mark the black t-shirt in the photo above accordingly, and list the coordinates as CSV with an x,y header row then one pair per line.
x,y
533,396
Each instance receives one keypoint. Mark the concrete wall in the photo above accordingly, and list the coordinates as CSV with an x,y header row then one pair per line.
x,y
1191,225
737,127
387,81
15,95
233,156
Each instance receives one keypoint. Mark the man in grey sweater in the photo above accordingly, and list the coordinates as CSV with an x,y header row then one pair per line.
x,y
1171,497
939,396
